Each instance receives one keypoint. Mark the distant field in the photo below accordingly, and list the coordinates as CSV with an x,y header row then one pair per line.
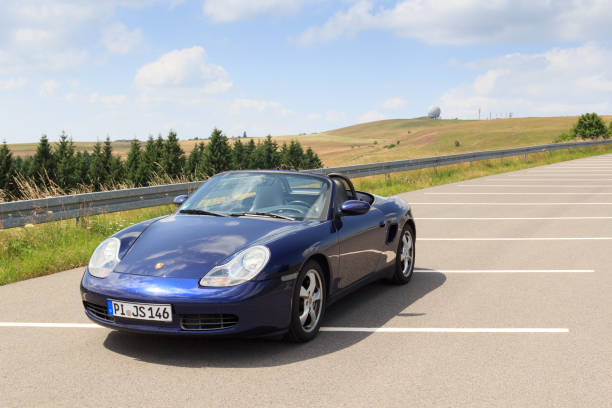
x,y
364,143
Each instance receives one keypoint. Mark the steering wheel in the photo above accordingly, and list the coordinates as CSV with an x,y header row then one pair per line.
x,y
284,210
299,202
348,183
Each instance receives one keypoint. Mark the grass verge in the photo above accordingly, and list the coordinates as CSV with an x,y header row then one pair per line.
x,y
416,179
56,246
52,247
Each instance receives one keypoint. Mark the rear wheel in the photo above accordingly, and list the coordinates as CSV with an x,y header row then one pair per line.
x,y
308,303
404,260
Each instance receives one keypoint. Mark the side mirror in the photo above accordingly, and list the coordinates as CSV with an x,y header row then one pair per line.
x,y
355,207
179,200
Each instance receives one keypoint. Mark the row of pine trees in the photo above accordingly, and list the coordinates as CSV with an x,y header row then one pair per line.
x,y
158,159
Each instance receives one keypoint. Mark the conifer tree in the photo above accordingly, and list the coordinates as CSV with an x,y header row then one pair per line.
x,y
65,175
116,171
267,155
311,160
250,158
239,155
43,164
98,173
107,154
82,168
295,156
173,158
132,164
284,154
194,168
218,153
7,170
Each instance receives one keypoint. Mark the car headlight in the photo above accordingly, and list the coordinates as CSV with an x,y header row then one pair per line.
x,y
104,258
241,268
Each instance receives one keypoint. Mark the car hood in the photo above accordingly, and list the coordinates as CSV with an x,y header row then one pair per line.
x,y
188,246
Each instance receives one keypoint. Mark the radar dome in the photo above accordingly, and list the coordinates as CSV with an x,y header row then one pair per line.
x,y
434,112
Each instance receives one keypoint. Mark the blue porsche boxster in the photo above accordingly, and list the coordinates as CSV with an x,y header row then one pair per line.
x,y
250,253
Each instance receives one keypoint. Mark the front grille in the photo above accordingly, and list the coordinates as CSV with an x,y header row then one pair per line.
x,y
99,311
208,321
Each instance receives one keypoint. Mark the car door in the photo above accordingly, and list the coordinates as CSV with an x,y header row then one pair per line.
x,y
360,240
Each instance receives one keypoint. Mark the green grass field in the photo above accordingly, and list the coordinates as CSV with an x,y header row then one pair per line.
x,y
57,246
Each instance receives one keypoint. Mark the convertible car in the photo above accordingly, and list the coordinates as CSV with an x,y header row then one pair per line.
x,y
250,253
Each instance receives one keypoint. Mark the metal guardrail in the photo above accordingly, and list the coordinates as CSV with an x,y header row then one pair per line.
x,y
363,170
19,213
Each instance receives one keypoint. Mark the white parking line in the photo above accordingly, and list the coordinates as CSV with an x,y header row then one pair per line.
x,y
508,204
537,178
441,330
417,270
521,239
536,185
518,193
508,218
52,325
334,329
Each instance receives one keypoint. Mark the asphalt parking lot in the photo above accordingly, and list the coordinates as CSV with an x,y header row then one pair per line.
x,y
511,306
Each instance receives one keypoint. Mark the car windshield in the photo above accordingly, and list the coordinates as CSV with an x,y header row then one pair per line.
x,y
266,194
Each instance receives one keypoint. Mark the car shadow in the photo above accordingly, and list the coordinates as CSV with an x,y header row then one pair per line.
x,y
371,306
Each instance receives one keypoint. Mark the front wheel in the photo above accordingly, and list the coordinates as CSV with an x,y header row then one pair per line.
x,y
308,303
404,260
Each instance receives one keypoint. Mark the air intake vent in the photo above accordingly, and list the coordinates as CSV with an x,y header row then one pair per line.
x,y
208,321
391,233
99,311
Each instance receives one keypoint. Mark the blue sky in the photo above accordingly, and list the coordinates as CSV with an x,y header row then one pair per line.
x,y
130,68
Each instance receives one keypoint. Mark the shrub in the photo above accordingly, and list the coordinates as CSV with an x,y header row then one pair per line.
x,y
376,142
457,143
564,137
590,126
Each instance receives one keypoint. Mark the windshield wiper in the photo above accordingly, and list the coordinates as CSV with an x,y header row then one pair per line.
x,y
261,214
201,212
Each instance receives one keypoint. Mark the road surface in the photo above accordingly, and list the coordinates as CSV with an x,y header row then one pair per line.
x,y
511,306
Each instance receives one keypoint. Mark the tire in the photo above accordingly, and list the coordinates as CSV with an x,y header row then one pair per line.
x,y
308,303
404,261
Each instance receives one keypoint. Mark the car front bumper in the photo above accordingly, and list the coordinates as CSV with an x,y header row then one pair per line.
x,y
249,309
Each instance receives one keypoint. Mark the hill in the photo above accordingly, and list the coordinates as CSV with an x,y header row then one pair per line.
x,y
371,142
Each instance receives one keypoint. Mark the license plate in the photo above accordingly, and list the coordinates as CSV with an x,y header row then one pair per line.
x,y
140,311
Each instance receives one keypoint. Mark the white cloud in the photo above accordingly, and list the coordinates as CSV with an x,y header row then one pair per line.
x,y
241,105
43,35
474,21
107,100
49,87
12,83
119,39
225,11
371,116
186,68
329,116
561,81
394,103
70,97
